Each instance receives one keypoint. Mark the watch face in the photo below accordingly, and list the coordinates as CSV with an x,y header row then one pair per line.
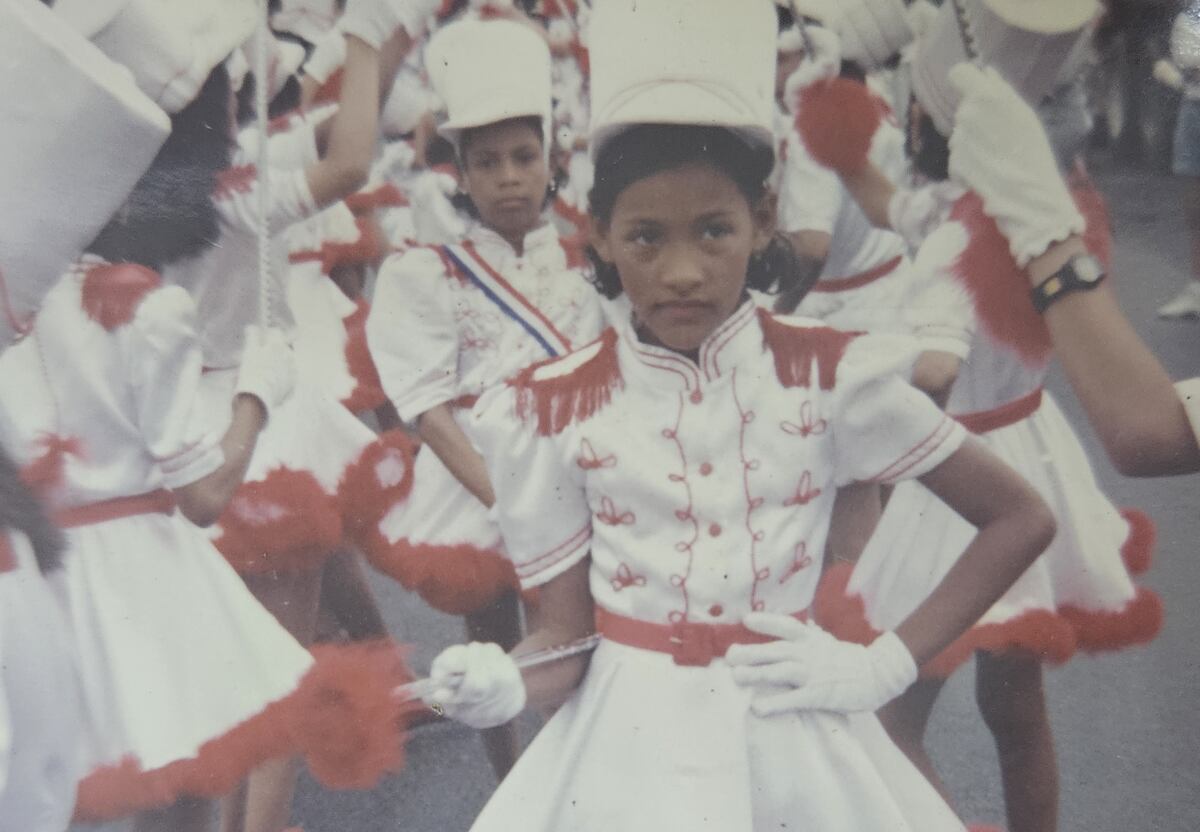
x,y
1087,269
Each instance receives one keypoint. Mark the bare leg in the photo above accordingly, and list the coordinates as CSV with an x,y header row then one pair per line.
x,y
906,717
346,594
1192,208
185,815
1013,704
500,623
266,797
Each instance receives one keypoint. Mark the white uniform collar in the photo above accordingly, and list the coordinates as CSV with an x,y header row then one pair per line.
x,y
734,342
545,234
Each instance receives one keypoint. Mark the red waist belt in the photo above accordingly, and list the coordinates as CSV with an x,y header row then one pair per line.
x,y
156,502
844,284
983,421
692,644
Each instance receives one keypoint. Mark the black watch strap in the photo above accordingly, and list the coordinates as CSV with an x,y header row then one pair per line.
x,y
1080,274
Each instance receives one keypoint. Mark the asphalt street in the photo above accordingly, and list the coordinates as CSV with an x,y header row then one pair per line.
x,y
1127,726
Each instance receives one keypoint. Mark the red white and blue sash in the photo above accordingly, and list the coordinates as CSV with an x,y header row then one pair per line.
x,y
511,302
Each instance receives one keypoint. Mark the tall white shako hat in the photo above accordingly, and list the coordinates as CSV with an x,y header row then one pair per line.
x,y
702,62
170,46
489,70
77,135
1027,41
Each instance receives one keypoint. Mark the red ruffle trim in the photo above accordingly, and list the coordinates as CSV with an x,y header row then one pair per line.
x,y
344,718
458,579
1054,637
380,479
285,521
368,389
1138,549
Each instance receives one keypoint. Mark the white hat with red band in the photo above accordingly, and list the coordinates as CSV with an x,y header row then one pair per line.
x,y
77,136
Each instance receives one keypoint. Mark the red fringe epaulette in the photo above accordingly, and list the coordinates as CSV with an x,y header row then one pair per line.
x,y
797,348
368,389
998,287
111,294
837,120
557,400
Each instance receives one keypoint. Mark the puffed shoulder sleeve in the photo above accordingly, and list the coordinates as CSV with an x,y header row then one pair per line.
x,y
541,505
412,332
163,363
884,429
810,196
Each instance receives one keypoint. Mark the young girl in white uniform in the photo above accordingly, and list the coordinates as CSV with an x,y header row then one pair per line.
x,y
1080,595
448,322
671,484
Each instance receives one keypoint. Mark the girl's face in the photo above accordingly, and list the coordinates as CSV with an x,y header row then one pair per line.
x,y
506,176
681,241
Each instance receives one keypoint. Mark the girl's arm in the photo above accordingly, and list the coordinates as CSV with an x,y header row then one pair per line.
x,y
441,433
563,614
873,191
1128,396
1014,527
203,501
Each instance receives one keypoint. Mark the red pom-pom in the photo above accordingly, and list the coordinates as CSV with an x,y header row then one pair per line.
x,y
284,521
348,717
381,478
1138,549
837,120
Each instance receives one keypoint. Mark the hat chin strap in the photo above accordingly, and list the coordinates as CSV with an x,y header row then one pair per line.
x,y
266,282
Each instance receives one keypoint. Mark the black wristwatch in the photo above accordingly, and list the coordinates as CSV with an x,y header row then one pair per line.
x,y
1081,273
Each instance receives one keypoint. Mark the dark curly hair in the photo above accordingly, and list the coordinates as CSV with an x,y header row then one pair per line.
x,y
170,215
648,149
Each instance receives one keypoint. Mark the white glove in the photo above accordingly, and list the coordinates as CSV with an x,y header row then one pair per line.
x,y
914,214
1168,74
823,63
808,669
268,370
999,150
375,21
478,684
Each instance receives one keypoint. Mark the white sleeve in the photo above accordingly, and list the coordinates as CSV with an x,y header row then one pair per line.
x,y
811,196
1189,394
885,430
938,308
412,332
541,502
163,362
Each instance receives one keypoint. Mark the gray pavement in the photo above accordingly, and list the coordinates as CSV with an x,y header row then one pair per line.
x,y
1126,726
